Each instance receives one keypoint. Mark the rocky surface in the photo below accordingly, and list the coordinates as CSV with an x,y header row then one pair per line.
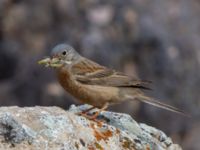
x,y
45,128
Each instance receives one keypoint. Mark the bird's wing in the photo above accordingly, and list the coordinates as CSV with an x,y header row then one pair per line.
x,y
89,72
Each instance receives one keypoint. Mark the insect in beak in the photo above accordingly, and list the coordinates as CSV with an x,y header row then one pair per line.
x,y
51,62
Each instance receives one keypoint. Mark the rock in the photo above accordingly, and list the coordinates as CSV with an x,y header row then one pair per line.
x,y
54,128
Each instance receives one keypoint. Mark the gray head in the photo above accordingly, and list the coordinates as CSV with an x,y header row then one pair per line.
x,y
65,54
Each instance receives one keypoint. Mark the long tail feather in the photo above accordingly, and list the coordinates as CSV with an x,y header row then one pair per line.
x,y
156,103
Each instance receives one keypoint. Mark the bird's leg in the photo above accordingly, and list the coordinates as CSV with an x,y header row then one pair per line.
x,y
95,115
84,112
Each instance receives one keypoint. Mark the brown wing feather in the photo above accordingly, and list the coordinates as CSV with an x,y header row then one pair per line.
x,y
85,67
89,72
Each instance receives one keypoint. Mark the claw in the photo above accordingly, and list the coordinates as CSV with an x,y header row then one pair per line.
x,y
92,117
95,115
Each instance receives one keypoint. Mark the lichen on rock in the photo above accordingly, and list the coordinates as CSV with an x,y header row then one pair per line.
x,y
55,128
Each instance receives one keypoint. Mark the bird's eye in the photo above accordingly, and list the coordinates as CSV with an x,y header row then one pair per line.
x,y
64,53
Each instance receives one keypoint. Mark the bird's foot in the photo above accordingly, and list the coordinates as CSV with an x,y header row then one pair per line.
x,y
93,117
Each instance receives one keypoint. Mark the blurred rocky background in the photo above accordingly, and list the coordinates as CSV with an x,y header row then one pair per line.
x,y
154,40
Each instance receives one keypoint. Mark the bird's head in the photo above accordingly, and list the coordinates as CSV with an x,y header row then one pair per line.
x,y
61,55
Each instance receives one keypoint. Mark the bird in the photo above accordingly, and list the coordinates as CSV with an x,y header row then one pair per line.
x,y
97,85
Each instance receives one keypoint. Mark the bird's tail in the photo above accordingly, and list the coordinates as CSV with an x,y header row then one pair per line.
x,y
156,103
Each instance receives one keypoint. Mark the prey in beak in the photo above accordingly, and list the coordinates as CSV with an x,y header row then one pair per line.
x,y
54,62
51,62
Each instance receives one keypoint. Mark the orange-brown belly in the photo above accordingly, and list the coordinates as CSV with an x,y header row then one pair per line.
x,y
97,95
91,94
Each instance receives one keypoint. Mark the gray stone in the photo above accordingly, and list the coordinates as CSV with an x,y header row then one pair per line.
x,y
45,128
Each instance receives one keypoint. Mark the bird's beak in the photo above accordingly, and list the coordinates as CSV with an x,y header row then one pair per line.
x,y
50,62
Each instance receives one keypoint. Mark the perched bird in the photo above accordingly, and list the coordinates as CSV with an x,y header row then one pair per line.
x,y
94,84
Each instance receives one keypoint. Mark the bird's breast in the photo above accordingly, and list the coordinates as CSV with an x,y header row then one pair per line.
x,y
91,94
67,81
